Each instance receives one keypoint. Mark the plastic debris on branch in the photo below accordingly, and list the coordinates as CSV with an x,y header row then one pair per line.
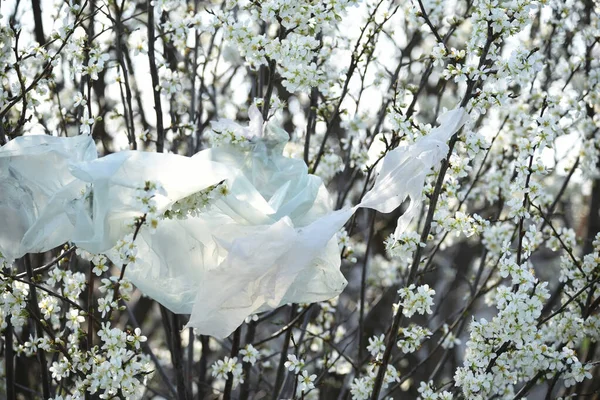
x,y
244,228
403,170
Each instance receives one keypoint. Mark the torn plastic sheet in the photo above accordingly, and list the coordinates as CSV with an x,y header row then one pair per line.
x,y
403,170
270,241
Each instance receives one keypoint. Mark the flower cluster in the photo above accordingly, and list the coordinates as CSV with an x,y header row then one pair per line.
x,y
222,368
411,338
416,302
192,205
289,42
13,303
361,388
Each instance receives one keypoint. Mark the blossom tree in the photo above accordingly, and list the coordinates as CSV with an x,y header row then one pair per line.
x,y
303,199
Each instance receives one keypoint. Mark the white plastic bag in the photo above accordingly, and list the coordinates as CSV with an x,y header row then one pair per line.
x,y
269,241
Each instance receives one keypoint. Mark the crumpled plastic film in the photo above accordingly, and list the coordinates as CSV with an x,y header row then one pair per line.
x,y
37,191
269,241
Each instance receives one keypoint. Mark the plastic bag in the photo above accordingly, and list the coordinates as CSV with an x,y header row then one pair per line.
x,y
269,241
